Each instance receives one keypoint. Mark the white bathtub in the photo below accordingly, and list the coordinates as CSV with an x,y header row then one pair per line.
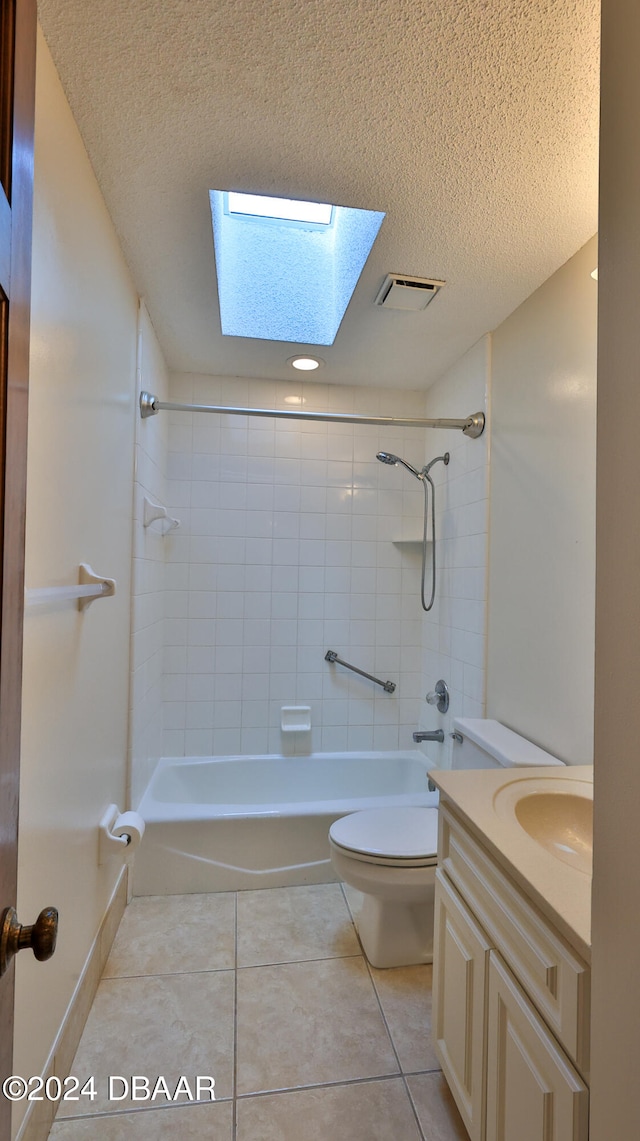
x,y
227,823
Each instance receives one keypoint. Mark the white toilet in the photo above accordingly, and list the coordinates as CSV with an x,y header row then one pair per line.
x,y
389,854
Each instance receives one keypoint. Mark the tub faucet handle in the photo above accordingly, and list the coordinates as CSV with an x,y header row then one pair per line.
x,y
440,696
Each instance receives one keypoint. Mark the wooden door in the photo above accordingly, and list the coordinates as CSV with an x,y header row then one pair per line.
x,y
17,97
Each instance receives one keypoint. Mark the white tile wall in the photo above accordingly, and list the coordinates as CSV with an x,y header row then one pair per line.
x,y
454,632
286,550
148,600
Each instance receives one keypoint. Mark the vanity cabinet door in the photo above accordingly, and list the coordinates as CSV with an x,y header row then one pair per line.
x,y
461,955
533,1091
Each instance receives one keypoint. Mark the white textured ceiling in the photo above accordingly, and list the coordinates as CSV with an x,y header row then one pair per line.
x,y
472,124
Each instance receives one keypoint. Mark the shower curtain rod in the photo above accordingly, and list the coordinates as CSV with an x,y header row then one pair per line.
x,y
472,426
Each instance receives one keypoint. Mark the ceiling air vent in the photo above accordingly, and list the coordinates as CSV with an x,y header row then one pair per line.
x,y
400,291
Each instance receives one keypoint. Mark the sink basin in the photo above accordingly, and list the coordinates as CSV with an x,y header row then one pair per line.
x,y
562,823
556,813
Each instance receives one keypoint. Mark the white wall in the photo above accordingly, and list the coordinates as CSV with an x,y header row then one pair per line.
x,y
149,546
542,544
454,631
615,1107
76,666
286,550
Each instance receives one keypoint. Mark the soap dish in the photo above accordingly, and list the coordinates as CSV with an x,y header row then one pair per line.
x,y
295,718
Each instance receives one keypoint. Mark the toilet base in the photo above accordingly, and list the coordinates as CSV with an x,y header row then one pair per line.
x,y
397,934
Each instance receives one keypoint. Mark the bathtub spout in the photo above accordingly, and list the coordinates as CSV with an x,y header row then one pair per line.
x,y
429,735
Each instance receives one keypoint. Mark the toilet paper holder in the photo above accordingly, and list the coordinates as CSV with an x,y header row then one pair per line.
x,y
119,832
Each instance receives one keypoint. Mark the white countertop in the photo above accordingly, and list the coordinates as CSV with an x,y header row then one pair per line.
x,y
562,892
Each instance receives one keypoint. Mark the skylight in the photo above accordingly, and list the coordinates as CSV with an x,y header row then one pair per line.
x,y
262,206
287,269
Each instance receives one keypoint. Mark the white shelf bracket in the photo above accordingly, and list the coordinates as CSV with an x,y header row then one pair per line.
x,y
154,511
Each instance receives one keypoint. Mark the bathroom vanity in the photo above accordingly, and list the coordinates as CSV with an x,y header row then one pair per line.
x,y
511,979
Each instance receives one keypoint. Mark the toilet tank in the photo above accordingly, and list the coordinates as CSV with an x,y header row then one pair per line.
x,y
488,744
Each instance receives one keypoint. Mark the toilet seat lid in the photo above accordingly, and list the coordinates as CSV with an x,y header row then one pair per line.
x,y
397,833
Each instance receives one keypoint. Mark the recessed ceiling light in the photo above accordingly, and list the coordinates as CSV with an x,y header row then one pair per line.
x,y
305,364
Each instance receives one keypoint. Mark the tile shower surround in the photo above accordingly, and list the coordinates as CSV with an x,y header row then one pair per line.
x,y
286,549
454,632
265,613
147,603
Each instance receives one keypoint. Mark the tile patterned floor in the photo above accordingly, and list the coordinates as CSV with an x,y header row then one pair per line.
x,y
267,991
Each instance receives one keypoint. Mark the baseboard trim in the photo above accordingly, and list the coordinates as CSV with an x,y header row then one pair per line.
x,y
39,1119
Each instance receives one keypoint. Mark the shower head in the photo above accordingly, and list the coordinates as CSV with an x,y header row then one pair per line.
x,y
445,460
389,458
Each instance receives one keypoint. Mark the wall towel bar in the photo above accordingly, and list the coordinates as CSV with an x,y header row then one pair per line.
x,y
331,656
89,587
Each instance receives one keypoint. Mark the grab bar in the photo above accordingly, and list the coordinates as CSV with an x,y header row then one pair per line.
x,y
331,656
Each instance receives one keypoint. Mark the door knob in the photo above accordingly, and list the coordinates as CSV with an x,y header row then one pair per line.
x,y
41,936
